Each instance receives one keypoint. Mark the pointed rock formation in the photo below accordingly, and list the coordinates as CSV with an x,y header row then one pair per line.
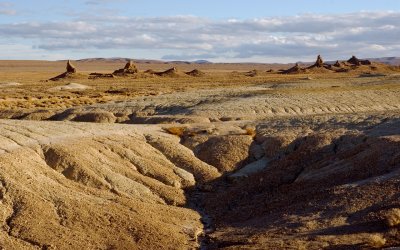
x,y
354,61
319,66
70,67
357,62
71,71
130,66
319,62
337,64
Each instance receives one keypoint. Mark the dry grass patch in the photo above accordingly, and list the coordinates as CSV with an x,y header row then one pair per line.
x,y
178,131
250,131
376,241
392,217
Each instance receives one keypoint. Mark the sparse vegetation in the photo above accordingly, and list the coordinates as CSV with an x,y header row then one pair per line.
x,y
32,82
291,140
376,241
251,132
392,217
178,131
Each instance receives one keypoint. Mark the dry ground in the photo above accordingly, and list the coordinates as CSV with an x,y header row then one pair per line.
x,y
308,161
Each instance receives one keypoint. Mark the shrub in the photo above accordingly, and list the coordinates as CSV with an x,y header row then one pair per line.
x,y
251,131
178,131
392,217
376,241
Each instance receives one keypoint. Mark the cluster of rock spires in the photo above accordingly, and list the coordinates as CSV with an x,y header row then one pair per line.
x,y
130,69
321,66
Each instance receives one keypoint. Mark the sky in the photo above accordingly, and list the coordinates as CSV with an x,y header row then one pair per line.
x,y
215,30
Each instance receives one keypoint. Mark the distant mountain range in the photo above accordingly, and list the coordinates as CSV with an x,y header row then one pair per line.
x,y
386,60
142,61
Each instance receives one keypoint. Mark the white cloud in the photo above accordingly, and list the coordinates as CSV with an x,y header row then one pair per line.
x,y
6,4
366,34
8,12
25,52
5,9
98,2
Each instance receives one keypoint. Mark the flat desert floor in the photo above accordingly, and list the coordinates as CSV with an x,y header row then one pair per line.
x,y
238,156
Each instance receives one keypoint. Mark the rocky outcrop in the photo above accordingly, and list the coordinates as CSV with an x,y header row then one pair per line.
x,y
97,117
296,69
172,72
226,153
319,66
100,75
70,73
252,73
338,64
70,67
319,62
357,62
88,186
129,69
333,184
195,73
150,72
184,157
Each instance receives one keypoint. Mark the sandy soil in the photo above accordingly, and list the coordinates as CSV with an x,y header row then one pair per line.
x,y
225,160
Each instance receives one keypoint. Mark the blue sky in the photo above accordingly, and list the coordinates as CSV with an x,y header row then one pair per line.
x,y
217,30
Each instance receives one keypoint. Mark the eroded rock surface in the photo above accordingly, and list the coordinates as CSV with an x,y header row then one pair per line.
x,y
292,165
90,186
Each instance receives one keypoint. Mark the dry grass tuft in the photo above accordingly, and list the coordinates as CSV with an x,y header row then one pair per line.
x,y
251,132
376,241
392,217
178,131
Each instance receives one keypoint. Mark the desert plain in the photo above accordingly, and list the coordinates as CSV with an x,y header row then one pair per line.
x,y
199,155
